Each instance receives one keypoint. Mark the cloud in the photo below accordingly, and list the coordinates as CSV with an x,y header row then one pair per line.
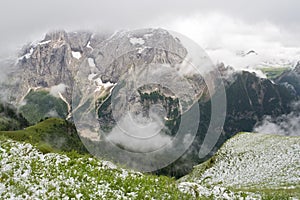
x,y
139,134
52,113
225,37
288,125
23,21
6,68
57,89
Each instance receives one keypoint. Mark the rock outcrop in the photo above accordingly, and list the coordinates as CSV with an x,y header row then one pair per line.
x,y
291,79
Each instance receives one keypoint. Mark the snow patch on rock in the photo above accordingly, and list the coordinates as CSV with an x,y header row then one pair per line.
x,y
148,35
137,41
27,55
92,76
76,54
44,42
89,45
91,62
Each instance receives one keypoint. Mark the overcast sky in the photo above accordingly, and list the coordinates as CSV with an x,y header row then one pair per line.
x,y
231,24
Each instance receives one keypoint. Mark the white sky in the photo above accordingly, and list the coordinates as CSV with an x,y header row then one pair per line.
x,y
271,28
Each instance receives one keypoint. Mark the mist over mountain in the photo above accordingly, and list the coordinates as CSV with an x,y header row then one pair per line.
x,y
286,124
291,78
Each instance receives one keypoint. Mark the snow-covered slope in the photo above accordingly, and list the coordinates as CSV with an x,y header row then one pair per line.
x,y
250,161
26,173
243,168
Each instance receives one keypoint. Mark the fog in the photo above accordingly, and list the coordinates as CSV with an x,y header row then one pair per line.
x,y
271,28
58,89
139,134
288,124
227,39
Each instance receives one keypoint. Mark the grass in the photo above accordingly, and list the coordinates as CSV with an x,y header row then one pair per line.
x,y
279,194
272,194
8,123
50,135
53,168
273,72
26,173
41,104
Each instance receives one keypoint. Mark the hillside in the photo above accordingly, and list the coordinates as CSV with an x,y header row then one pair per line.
x,y
268,165
26,173
240,170
10,119
249,165
49,136
249,99
291,79
41,104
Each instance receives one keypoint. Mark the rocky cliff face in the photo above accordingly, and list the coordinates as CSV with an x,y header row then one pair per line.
x,y
92,63
291,79
249,99
60,55
48,63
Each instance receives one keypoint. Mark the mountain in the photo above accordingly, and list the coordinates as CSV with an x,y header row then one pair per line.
x,y
83,71
10,119
50,135
291,79
57,58
40,103
88,61
92,80
249,100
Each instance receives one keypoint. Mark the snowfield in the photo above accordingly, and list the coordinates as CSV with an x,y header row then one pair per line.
x,y
137,41
249,161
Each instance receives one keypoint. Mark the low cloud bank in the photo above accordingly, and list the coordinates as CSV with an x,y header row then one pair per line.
x,y
238,43
136,134
288,125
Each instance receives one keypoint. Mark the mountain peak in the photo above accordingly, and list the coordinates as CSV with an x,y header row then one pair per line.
x,y
56,35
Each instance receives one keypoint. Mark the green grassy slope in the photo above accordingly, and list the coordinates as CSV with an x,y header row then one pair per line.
x,y
273,72
10,119
41,104
49,136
